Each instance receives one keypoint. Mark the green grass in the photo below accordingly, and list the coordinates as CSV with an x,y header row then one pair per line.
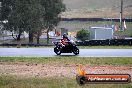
x,y
67,60
16,82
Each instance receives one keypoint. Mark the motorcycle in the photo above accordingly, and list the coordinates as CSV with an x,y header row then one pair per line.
x,y
70,47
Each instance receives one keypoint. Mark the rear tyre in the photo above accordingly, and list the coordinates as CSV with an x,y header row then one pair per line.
x,y
76,51
57,50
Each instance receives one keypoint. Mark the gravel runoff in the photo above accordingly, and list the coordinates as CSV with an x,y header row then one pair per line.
x,y
50,70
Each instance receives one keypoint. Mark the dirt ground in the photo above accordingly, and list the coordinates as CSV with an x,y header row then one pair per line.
x,y
50,70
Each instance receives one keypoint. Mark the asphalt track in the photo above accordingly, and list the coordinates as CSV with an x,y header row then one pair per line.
x,y
49,52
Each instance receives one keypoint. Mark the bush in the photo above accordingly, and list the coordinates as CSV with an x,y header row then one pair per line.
x,y
83,35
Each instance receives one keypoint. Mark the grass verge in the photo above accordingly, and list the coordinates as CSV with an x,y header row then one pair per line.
x,y
15,82
67,60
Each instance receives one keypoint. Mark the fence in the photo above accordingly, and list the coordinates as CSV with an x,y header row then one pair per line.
x,y
112,42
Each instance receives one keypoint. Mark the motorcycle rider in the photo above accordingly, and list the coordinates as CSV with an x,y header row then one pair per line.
x,y
64,40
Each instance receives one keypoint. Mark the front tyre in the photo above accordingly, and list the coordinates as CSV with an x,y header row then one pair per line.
x,y
76,51
57,50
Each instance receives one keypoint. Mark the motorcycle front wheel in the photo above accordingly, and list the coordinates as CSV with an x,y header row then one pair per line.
x,y
57,50
76,51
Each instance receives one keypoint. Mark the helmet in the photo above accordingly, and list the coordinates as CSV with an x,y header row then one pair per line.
x,y
64,35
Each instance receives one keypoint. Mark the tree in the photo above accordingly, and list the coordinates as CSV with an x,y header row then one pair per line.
x,y
7,13
11,12
5,8
24,15
31,15
35,20
52,9
83,35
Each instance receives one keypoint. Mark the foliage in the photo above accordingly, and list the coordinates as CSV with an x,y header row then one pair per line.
x,y
31,15
23,15
52,9
83,35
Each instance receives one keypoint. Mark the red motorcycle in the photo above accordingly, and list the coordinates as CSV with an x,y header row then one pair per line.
x,y
70,47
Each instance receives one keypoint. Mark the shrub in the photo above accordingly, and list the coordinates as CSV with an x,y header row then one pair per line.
x,y
83,35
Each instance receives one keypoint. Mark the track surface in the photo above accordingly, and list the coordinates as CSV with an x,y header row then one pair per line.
x,y
49,52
